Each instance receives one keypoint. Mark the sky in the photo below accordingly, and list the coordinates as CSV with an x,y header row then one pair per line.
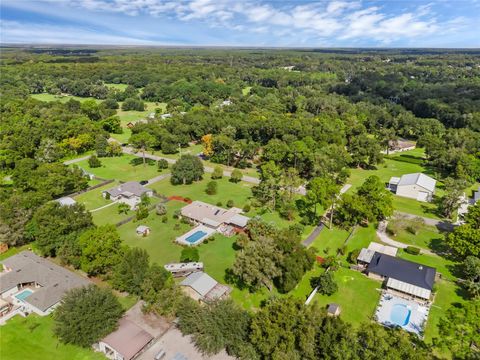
x,y
325,23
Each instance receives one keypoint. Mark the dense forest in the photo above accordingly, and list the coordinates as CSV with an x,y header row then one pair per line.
x,y
301,118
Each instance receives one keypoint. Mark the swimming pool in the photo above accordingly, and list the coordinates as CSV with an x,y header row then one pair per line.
x,y
400,314
195,237
23,294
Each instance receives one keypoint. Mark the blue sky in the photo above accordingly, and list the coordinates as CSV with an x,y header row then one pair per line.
x,y
326,23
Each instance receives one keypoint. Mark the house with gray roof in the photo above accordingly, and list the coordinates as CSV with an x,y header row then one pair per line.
x,y
35,284
201,286
416,186
129,193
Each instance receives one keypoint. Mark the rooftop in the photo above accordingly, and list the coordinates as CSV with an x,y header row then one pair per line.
x,y
402,270
419,179
213,215
128,189
201,282
26,267
128,339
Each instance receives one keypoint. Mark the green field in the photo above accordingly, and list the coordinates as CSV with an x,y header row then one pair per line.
x,y
427,237
93,199
120,168
32,338
120,87
61,98
357,296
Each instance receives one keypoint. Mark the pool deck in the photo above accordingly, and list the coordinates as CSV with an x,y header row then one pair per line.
x,y
183,239
418,313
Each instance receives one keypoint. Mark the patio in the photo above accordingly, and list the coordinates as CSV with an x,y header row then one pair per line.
x,y
393,311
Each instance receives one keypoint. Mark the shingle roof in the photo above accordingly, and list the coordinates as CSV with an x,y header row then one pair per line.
x,y
402,270
201,282
55,280
213,215
419,179
128,340
129,188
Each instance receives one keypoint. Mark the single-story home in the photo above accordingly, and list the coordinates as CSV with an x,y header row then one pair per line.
x,y
66,201
183,269
333,309
201,286
366,255
214,216
143,230
416,186
129,193
35,284
125,343
402,276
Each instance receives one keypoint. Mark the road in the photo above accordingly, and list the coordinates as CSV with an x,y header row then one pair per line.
x,y
73,161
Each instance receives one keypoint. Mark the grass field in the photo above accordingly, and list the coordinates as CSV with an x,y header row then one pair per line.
x,y
357,296
120,168
93,199
428,237
120,87
50,97
32,338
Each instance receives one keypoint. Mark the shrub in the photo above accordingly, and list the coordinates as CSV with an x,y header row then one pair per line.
x,y
162,164
176,226
161,209
230,203
165,219
236,176
142,213
247,208
352,257
176,214
217,173
107,196
189,254
212,187
326,283
219,204
94,161
412,250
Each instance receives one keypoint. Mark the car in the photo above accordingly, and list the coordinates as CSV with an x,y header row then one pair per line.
x,y
160,355
144,182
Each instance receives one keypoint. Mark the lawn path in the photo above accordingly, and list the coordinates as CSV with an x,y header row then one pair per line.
x,y
103,207
440,224
73,161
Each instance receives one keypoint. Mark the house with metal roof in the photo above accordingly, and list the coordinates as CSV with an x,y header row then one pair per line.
x,y
416,186
125,343
214,216
201,286
34,284
366,254
66,201
129,193
402,276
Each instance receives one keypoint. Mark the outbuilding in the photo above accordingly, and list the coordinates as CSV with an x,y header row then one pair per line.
x,y
416,186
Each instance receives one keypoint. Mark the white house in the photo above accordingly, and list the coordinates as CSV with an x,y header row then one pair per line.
x,y
129,193
34,284
416,186
66,201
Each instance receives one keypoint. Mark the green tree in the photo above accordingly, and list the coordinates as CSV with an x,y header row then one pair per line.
x,y
464,241
460,330
123,208
101,250
471,274
86,315
187,169
94,161
91,109
325,282
189,254
129,273
53,225
142,142
156,279
162,164
101,147
211,188
217,172
320,192
161,209
236,176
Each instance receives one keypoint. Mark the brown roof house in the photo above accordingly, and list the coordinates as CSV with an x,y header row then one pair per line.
x,y
35,284
125,343
129,193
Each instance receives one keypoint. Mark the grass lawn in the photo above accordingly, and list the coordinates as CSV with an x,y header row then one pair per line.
x,y
329,241
32,338
357,296
93,199
427,237
120,87
415,207
50,97
246,90
119,168
110,215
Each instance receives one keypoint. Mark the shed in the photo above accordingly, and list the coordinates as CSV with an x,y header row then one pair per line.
x,y
333,309
66,201
143,230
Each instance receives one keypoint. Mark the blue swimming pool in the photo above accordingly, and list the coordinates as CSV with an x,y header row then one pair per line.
x,y
196,236
400,314
23,295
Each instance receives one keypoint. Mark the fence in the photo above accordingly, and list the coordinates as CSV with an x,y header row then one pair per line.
x,y
105,182
130,218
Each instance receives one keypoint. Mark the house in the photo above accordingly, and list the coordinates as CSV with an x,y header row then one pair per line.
x,y
399,145
129,193
183,269
402,276
125,343
201,286
143,230
366,255
66,201
213,216
333,309
416,186
34,284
